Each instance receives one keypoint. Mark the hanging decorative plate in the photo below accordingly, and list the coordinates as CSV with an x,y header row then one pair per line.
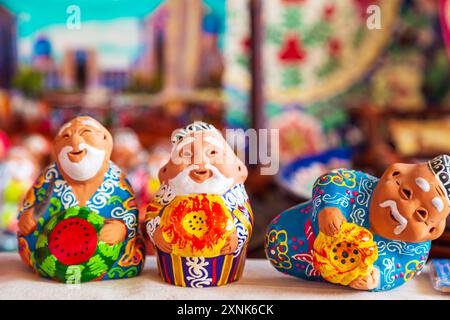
x,y
314,50
299,176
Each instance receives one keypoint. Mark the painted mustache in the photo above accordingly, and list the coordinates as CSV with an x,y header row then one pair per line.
x,y
402,222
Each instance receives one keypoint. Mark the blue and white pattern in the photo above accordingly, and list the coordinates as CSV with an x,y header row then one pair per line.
x,y
397,261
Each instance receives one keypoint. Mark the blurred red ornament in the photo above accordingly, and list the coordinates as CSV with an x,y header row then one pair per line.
x,y
334,47
444,12
4,144
329,11
292,52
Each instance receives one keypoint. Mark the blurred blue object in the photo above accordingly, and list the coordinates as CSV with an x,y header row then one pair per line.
x,y
42,47
298,177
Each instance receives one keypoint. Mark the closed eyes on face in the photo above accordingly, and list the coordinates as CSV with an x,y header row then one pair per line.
x,y
395,174
66,135
86,131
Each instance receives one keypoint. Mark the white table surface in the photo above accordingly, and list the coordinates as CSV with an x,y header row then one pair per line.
x,y
260,281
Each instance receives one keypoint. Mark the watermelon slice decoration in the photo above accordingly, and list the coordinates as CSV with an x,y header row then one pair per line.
x,y
73,241
68,248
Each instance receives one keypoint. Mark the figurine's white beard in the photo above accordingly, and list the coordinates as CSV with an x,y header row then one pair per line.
x,y
402,222
87,168
218,184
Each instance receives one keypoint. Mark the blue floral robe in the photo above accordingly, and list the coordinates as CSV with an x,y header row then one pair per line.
x,y
292,233
114,199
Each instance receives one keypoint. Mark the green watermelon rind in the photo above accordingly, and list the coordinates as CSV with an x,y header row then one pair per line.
x,y
101,261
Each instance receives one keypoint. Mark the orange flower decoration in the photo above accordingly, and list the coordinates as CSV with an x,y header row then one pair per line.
x,y
134,253
346,256
197,225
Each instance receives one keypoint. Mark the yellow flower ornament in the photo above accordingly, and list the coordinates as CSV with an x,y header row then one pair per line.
x,y
345,256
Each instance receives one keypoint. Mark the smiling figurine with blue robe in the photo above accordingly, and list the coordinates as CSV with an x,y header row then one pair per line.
x,y
361,231
79,221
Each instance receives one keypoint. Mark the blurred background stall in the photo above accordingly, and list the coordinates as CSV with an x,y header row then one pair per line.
x,y
341,91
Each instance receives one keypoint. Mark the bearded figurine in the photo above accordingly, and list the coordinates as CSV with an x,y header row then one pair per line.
x,y
200,220
79,221
361,231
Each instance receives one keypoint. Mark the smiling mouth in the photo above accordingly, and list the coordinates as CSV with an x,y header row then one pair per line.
x,y
200,175
77,152
76,156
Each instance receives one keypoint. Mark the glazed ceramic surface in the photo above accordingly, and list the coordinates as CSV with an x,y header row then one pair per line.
x,y
200,220
66,238
293,236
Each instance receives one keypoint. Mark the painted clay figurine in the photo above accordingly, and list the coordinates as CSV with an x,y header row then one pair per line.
x,y
361,231
79,221
200,219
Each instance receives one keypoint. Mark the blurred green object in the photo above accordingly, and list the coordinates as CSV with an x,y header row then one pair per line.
x,y
29,82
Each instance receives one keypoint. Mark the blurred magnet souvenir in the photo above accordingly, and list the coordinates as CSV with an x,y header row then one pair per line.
x,y
128,152
4,144
17,172
200,220
79,221
361,231
38,146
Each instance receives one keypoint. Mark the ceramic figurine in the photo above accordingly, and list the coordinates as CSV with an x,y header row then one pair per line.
x,y
128,152
79,221
361,231
14,184
200,220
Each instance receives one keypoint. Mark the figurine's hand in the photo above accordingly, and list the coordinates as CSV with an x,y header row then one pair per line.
x,y
160,242
368,282
113,232
330,221
231,244
27,224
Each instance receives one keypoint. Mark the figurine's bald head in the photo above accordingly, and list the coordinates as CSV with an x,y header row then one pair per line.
x,y
82,148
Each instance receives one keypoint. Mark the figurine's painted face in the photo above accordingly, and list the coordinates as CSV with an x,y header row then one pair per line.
x,y
82,148
202,162
409,204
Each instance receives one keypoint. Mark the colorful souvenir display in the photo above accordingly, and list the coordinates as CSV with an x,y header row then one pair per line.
x,y
300,135
361,231
397,85
440,274
236,77
200,220
17,172
128,152
79,221
299,176
39,146
313,50
419,137
317,49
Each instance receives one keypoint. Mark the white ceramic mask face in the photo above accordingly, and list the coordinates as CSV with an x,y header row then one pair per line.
x,y
87,168
218,184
